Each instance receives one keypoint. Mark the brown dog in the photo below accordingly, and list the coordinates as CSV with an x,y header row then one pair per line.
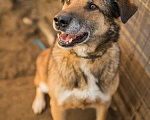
x,y
81,70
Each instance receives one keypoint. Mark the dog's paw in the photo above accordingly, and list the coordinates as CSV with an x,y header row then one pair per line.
x,y
38,105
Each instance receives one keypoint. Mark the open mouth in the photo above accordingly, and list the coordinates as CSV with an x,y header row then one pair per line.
x,y
70,40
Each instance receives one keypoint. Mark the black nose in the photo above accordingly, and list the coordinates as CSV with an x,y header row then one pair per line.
x,y
62,20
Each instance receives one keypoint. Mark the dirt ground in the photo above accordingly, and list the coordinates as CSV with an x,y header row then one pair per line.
x,y
18,53
16,96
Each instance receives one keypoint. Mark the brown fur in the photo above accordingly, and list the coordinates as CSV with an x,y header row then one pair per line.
x,y
68,70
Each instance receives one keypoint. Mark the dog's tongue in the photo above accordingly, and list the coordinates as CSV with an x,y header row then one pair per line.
x,y
66,37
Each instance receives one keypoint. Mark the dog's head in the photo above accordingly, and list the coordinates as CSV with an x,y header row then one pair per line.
x,y
81,21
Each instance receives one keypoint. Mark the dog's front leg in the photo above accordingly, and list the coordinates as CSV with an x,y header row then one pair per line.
x,y
58,113
101,111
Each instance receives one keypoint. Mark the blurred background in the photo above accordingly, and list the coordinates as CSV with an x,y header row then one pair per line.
x,y
23,22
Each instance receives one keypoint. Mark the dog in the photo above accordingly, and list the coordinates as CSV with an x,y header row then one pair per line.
x,y
81,69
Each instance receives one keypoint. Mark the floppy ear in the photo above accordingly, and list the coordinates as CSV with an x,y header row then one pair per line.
x,y
127,9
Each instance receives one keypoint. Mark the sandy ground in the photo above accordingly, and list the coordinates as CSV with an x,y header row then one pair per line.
x,y
18,53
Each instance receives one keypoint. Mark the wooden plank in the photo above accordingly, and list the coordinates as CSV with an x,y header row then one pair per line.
x,y
137,31
133,96
128,92
143,112
135,70
121,106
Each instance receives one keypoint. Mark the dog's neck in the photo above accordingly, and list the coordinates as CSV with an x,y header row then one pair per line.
x,y
97,45
92,50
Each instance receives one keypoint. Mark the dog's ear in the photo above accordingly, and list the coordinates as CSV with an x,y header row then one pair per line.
x,y
127,9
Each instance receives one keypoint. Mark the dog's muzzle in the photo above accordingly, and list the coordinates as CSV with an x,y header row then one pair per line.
x,y
70,31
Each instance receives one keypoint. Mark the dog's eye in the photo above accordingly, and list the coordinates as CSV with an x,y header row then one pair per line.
x,y
92,7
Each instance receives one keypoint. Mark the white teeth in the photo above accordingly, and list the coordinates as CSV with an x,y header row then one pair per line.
x,y
67,42
58,35
70,40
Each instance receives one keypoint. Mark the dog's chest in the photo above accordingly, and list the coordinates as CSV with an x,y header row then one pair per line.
x,y
89,92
